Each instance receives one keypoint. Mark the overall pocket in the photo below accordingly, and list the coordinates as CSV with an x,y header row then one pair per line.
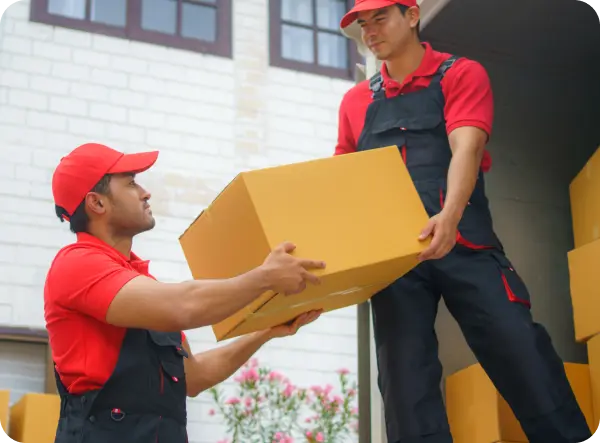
x,y
516,290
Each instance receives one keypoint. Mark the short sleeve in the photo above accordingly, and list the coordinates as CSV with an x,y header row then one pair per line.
x,y
469,99
86,280
345,143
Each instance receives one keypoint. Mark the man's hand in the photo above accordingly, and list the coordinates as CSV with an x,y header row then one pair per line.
x,y
287,274
444,228
292,327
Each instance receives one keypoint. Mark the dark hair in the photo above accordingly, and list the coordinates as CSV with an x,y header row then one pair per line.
x,y
403,9
79,219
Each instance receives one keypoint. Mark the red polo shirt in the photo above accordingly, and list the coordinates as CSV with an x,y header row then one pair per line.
x,y
466,88
82,281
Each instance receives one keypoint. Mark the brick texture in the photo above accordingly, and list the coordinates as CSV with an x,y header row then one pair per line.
x,y
210,117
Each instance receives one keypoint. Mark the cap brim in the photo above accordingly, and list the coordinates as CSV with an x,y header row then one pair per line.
x,y
368,5
134,163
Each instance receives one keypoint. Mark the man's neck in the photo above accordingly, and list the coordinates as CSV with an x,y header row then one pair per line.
x,y
402,65
120,243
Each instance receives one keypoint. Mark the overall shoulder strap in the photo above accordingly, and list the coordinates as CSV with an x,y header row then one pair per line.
x,y
376,86
441,72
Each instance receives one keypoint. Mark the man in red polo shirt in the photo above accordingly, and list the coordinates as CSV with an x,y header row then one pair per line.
x,y
123,364
438,110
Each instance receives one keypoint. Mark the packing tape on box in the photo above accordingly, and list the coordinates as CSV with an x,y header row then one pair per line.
x,y
309,302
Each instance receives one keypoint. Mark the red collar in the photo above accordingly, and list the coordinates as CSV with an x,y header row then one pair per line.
x,y
136,262
429,65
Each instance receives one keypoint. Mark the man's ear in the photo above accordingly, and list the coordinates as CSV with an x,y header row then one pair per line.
x,y
414,16
93,202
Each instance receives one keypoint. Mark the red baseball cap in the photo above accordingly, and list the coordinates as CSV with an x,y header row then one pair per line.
x,y
371,5
79,171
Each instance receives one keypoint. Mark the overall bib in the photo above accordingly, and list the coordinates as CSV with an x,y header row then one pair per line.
x,y
144,400
481,289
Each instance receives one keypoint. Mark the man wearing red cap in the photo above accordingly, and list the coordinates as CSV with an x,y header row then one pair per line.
x,y
438,110
122,363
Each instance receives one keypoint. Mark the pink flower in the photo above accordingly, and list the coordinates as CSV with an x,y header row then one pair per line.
x,y
274,376
354,411
289,390
250,375
280,437
343,371
339,400
351,392
317,389
328,389
319,437
211,412
232,401
308,434
248,402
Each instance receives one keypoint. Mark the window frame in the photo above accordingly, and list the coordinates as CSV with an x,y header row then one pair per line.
x,y
277,60
133,30
33,335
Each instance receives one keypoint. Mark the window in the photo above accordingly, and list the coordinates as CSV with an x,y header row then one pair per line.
x,y
197,25
306,36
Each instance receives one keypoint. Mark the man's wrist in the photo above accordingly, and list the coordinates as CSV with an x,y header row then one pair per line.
x,y
260,278
264,336
452,214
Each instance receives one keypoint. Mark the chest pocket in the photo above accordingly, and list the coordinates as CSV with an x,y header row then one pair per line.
x,y
171,354
406,123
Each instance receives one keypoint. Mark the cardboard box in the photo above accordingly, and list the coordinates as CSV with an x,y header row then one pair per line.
x,y
593,346
4,403
359,212
479,414
34,418
585,202
585,289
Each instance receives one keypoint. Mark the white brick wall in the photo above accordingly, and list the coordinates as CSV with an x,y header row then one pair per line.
x,y
210,117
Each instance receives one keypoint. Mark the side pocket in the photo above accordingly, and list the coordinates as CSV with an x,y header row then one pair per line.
x,y
475,227
515,287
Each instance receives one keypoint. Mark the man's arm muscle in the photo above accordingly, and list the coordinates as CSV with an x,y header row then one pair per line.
x,y
468,145
148,304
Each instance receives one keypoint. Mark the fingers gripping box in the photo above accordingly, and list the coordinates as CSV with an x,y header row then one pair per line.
x,y
358,212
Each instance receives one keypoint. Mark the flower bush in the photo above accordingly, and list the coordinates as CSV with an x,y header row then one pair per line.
x,y
268,408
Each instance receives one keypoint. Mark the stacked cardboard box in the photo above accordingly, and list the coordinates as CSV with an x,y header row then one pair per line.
x,y
359,212
33,419
477,413
584,268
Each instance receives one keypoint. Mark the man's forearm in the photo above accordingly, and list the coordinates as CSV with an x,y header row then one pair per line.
x,y
464,168
462,177
207,302
217,365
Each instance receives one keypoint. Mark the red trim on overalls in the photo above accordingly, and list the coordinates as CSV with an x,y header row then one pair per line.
x,y
459,238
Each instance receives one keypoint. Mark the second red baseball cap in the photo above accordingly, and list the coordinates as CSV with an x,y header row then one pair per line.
x,y
79,171
371,5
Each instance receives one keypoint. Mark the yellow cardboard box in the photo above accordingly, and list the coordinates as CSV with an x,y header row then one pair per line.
x,y
34,418
585,289
585,202
477,413
593,346
359,212
4,402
